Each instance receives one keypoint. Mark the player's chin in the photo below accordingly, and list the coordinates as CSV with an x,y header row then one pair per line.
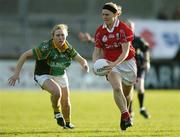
x,y
61,43
106,22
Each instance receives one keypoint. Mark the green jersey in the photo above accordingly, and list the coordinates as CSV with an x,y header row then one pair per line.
x,y
51,61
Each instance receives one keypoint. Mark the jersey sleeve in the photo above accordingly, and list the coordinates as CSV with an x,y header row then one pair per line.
x,y
42,51
126,33
71,51
97,39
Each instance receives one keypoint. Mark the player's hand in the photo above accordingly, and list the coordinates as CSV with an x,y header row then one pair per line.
x,y
12,80
86,68
107,68
111,65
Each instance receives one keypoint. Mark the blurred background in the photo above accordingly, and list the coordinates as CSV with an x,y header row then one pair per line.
x,y
25,23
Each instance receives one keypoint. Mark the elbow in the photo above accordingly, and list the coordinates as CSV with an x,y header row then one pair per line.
x,y
25,56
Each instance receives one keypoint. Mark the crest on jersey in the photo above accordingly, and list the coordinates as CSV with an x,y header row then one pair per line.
x,y
104,38
117,36
44,48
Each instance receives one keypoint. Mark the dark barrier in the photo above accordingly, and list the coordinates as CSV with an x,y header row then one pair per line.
x,y
163,75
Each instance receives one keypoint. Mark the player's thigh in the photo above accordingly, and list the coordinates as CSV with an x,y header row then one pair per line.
x,y
52,87
114,79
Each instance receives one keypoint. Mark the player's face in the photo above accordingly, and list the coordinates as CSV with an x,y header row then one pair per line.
x,y
108,17
59,37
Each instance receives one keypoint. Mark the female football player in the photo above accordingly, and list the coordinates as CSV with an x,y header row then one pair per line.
x,y
52,58
142,56
113,42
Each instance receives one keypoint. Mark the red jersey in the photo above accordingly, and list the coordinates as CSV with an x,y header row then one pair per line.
x,y
111,40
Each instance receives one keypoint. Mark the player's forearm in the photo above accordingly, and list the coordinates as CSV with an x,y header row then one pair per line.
x,y
22,59
20,63
96,54
95,57
121,58
81,60
124,54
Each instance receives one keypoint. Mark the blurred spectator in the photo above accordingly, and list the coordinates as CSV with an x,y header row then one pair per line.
x,y
86,37
176,13
162,15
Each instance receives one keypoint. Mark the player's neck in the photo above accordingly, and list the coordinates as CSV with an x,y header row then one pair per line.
x,y
110,25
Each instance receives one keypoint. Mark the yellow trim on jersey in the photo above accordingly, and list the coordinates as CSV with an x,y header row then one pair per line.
x,y
62,48
38,53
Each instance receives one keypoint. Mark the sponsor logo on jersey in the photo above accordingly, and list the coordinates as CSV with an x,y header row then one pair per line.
x,y
111,36
114,45
104,38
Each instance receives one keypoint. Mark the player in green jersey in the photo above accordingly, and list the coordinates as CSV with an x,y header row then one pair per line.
x,y
53,57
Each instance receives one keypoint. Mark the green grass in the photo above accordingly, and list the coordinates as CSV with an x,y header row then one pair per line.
x,y
29,114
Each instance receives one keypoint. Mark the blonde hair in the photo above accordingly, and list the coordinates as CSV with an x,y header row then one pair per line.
x,y
115,6
63,27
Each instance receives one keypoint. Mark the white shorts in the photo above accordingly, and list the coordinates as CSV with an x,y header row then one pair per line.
x,y
62,80
128,71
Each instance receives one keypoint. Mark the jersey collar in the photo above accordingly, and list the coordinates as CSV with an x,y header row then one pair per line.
x,y
62,48
116,23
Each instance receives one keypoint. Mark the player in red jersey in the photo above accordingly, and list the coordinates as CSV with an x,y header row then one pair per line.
x,y
113,42
143,65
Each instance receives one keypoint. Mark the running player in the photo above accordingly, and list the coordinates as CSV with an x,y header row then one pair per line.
x,y
52,58
113,42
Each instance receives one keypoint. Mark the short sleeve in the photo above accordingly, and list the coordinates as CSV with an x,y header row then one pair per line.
x,y
71,52
126,33
97,38
42,51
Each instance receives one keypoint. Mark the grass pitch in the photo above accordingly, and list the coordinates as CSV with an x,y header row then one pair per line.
x,y
29,114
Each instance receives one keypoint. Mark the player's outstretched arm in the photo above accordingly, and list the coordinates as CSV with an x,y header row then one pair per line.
x,y
12,80
82,62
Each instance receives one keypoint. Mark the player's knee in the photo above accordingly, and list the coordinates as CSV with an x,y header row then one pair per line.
x,y
117,89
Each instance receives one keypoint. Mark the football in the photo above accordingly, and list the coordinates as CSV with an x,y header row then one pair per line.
x,y
98,67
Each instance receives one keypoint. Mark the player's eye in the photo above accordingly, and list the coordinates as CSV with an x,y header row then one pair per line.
x,y
57,35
